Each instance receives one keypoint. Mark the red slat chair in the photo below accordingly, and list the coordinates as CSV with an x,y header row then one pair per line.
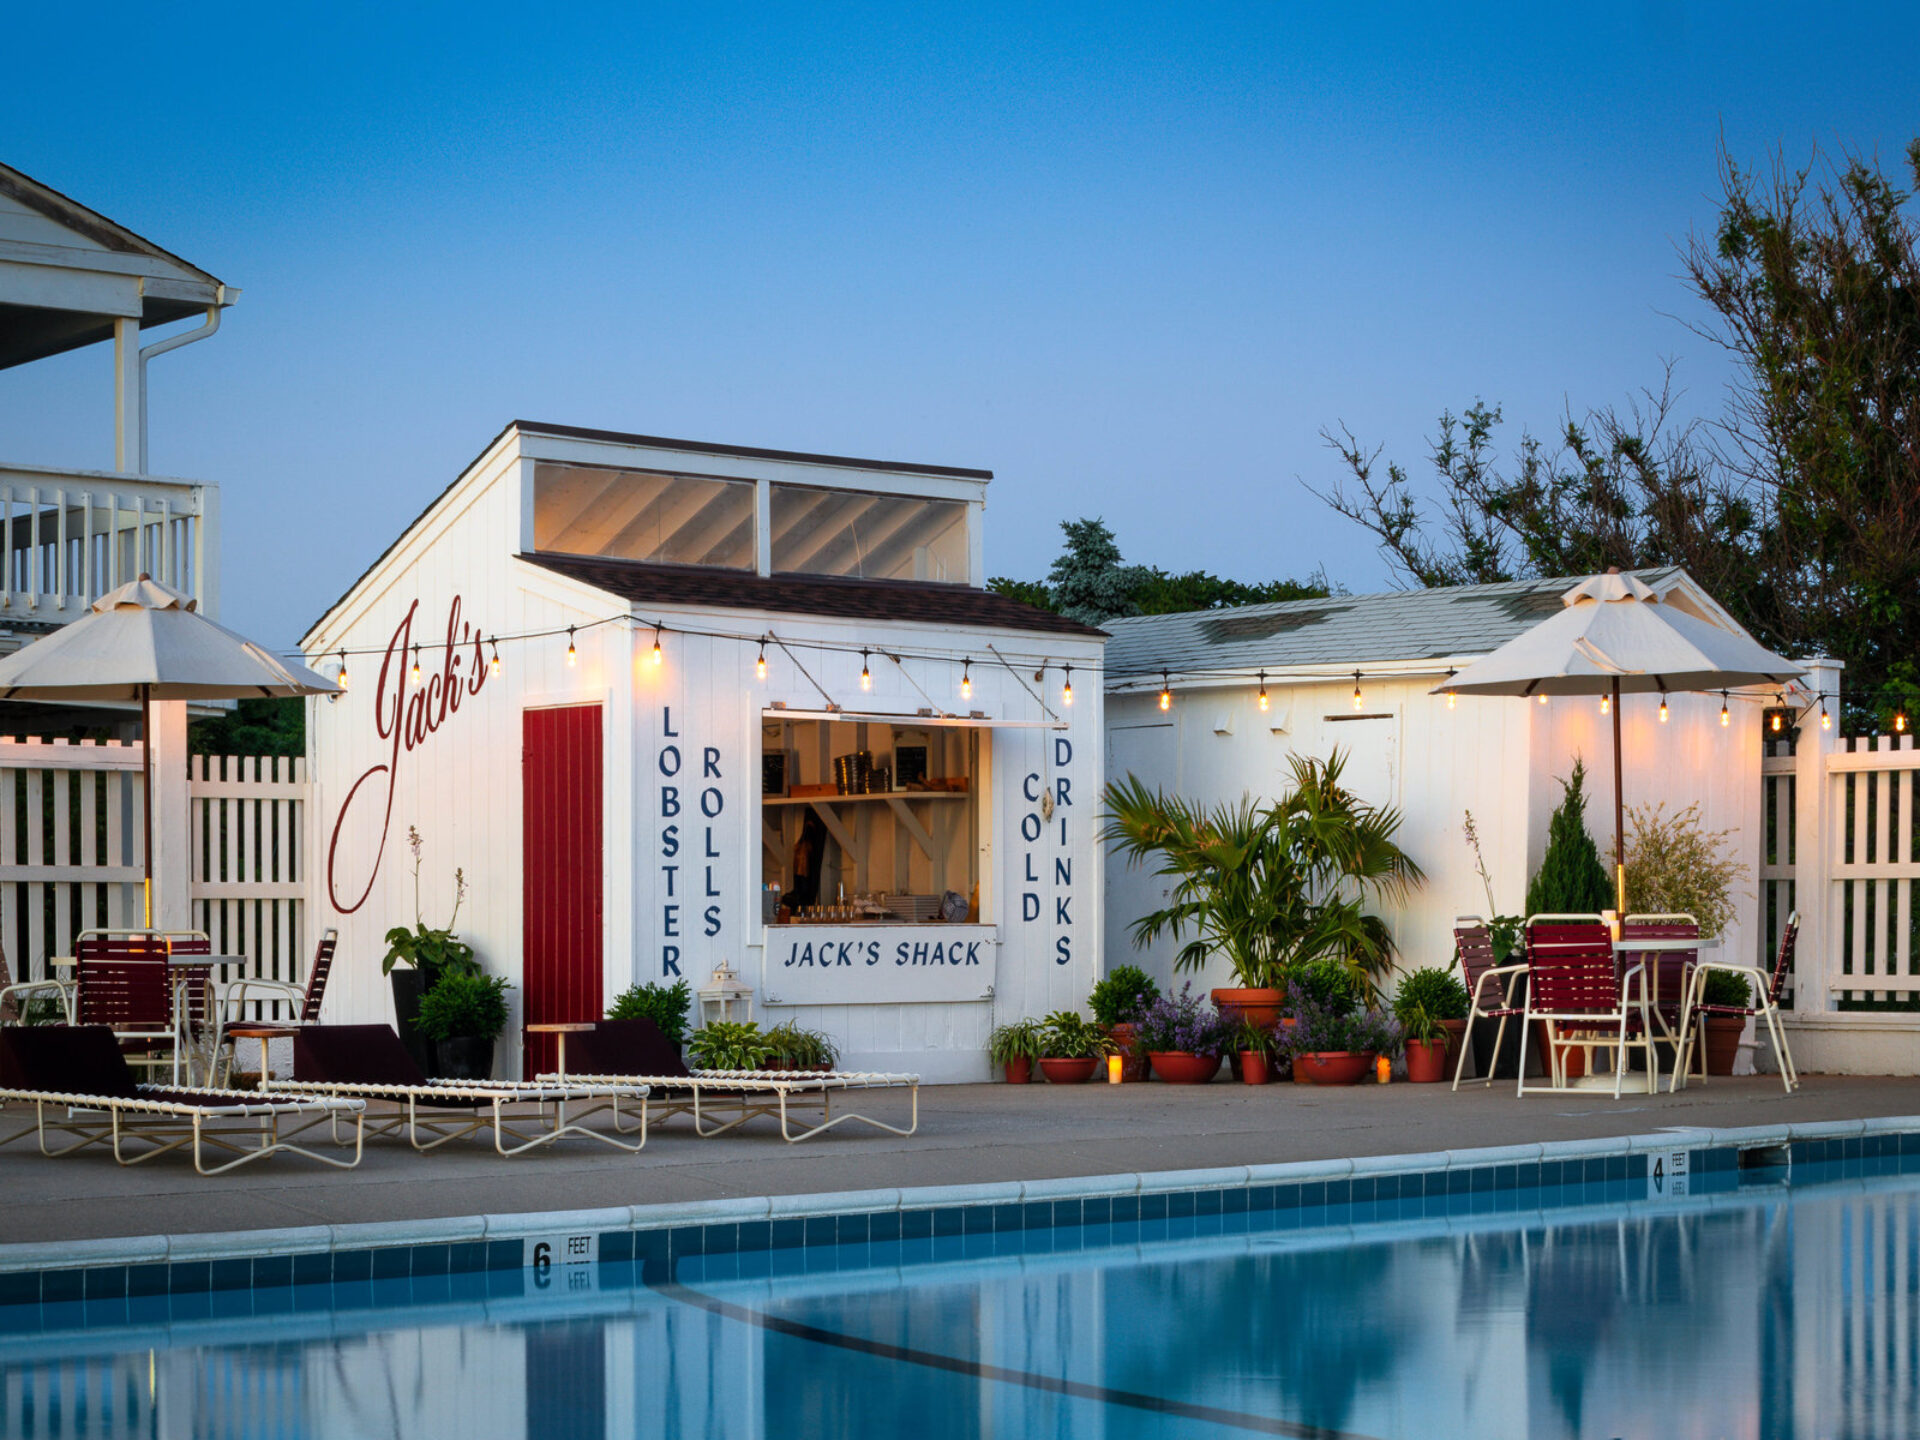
x,y
1670,971
1769,985
123,983
1572,982
267,996
1489,985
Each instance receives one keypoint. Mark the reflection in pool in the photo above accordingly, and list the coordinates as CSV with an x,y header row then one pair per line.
x,y
1761,1314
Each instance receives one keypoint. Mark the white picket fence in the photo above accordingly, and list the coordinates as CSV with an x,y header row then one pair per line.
x,y
71,851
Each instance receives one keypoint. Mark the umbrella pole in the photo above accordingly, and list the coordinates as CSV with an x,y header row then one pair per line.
x,y
146,777
1619,813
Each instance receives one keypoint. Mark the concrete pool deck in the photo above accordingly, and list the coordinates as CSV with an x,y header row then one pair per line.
x,y
968,1134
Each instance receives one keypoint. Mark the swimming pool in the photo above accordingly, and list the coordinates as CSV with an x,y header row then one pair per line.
x,y
1748,1307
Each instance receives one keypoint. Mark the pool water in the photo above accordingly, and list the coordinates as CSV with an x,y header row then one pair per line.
x,y
1766,1311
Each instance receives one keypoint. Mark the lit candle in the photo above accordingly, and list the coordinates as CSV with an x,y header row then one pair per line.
x,y
1114,1066
1383,1067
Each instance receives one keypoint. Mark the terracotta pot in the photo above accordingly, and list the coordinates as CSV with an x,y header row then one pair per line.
x,y
1426,1061
1253,1067
1576,1060
1133,1061
1061,1071
1456,1037
1177,1067
1018,1072
1261,1006
1723,1042
1332,1067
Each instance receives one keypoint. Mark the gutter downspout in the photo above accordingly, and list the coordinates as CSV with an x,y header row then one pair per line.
x,y
161,347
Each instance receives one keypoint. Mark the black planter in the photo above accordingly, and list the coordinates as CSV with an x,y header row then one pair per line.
x,y
408,986
465,1057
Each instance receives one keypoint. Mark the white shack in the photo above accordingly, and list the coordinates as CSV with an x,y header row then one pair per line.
x,y
1353,672
672,705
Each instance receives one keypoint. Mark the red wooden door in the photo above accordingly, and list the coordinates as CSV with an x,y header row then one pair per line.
x,y
562,851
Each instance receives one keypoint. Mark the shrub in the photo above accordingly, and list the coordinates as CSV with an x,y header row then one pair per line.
x,y
1182,1023
1121,996
1066,1035
464,1002
665,1005
1436,991
1723,987
1016,1040
801,1048
730,1045
1325,985
1677,866
1571,880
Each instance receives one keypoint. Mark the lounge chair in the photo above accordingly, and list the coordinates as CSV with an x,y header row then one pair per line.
x,y
368,1062
636,1052
1767,985
80,1085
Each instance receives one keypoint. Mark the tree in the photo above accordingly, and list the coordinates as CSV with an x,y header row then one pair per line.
x,y
1088,582
253,727
1571,880
1799,510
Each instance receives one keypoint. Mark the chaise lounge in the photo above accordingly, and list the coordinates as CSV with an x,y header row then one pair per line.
x,y
368,1062
637,1052
80,1085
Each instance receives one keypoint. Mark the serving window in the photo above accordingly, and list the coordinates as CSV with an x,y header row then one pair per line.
x,y
868,537
869,822
639,515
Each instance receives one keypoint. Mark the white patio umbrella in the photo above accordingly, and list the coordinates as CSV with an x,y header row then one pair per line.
x,y
147,642
1614,636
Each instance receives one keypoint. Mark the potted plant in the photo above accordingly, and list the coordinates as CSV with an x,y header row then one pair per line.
x,y
794,1047
1254,1045
417,958
1721,1033
665,1005
1183,1038
1266,888
1070,1047
462,1015
729,1045
1115,1001
1334,1039
1439,1001
1014,1047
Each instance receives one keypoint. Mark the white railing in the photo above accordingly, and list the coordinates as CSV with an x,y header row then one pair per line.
x,y
73,535
71,855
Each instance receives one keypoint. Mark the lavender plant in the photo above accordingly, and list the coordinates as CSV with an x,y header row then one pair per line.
x,y
1181,1023
1318,1030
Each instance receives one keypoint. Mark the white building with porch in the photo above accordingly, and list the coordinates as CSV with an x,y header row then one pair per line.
x,y
1356,672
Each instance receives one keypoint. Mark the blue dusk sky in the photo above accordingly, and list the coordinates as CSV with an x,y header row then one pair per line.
x,y
1131,258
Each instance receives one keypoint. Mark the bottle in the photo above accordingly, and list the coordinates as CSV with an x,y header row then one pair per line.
x,y
1383,1067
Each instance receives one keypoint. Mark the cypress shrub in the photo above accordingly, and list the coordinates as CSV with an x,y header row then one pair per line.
x,y
1571,878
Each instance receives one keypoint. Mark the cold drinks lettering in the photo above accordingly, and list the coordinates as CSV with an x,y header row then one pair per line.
x,y
1034,865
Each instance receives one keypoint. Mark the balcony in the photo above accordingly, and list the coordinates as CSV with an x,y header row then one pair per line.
x,y
74,535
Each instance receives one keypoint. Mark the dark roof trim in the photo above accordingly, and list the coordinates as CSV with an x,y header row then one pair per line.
x,y
65,210
828,596
750,452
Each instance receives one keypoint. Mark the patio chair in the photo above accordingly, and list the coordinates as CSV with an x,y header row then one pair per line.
x,y
78,1082
123,982
1572,981
1767,985
636,1052
266,996
368,1062
1670,971
1490,986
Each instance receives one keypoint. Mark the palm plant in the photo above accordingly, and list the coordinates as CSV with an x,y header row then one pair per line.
x,y
1268,888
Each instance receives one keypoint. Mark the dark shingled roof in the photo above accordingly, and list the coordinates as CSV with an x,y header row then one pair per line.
x,y
903,600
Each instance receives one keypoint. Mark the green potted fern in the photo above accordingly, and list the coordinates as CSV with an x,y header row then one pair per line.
x,y
1014,1047
1071,1046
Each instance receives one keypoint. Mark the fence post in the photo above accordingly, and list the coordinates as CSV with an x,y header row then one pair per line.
x,y
1816,844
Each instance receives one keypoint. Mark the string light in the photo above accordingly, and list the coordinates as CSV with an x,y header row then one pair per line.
x,y
573,655
966,679
866,675
1541,698
658,654
1066,689
1826,720
760,665
1263,692
1451,672
342,682
1726,719
1773,722
1606,704
1166,692
1663,707
496,654
1899,722
416,664
1357,701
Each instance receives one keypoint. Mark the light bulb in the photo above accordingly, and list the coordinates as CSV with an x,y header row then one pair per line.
x,y
1773,721
1726,720
1450,699
496,654
1826,720
1263,692
573,655
416,664
966,680
1166,692
1606,704
1066,688
760,665
866,675
1541,698
342,682
1357,702
1900,722
658,654
1663,709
